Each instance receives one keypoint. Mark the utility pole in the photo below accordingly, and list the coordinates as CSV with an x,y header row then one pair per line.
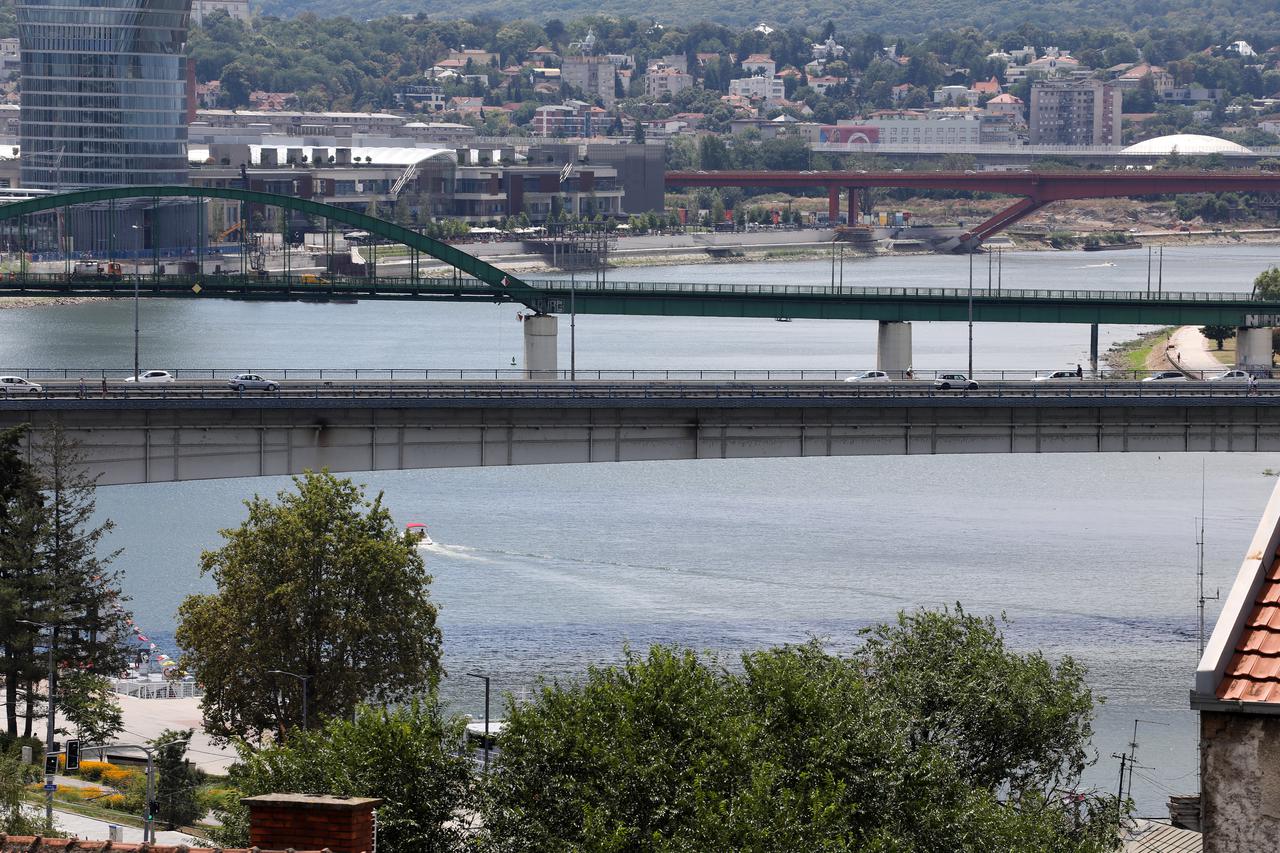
x,y
1124,759
485,679
971,316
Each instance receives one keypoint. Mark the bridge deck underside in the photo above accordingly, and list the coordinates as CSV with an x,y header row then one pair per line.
x,y
192,443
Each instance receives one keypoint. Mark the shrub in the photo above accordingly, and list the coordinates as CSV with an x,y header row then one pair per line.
x,y
93,770
121,777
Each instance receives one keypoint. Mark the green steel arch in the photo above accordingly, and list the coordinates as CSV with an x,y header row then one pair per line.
x,y
456,258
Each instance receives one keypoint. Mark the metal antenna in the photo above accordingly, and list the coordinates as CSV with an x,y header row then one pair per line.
x,y
1201,598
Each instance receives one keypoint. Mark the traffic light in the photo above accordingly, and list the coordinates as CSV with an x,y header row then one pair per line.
x,y
153,809
73,754
51,764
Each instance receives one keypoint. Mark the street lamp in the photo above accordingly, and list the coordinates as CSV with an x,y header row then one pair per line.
x,y
485,679
48,743
136,373
304,679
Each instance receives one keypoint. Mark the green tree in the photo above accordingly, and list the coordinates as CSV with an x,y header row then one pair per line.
x,y
403,755
932,736
1218,333
1267,284
319,582
176,780
89,704
15,817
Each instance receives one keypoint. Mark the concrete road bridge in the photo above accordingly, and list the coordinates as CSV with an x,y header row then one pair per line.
x,y
201,432
1035,188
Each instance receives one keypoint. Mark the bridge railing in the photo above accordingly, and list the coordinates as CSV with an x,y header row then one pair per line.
x,y
66,378
150,285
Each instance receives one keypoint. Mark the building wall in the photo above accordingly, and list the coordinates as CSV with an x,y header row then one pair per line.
x,y
642,171
592,74
1240,781
1086,112
132,128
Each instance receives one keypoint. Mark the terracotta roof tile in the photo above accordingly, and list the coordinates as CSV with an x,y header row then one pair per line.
x,y
36,844
1253,674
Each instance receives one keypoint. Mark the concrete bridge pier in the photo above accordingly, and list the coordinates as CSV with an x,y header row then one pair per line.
x,y
540,347
1253,350
893,348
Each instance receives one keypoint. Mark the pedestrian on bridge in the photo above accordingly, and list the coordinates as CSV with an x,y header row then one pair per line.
x,y
104,386
1079,372
1253,385
82,388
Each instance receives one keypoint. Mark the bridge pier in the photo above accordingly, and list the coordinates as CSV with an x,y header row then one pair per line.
x,y
540,347
893,348
833,206
1253,350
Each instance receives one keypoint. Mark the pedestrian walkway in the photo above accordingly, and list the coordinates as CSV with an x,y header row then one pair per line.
x,y
1188,350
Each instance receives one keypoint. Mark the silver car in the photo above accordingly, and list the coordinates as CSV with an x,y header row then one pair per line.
x,y
252,382
18,385
869,376
1166,376
1231,376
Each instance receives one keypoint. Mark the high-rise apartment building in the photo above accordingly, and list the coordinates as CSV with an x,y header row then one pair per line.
x,y
1076,112
104,88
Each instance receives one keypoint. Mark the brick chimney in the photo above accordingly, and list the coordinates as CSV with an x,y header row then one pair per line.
x,y
305,822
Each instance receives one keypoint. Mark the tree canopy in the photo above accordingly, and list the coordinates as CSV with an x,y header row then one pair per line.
x,y
320,583
1267,283
932,736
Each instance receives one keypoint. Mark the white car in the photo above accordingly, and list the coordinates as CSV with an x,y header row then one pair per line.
x,y
1166,376
18,385
1231,376
1059,376
869,376
151,377
251,382
947,381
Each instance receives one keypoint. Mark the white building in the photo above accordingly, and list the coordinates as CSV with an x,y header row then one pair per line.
x,y
936,128
661,80
771,90
759,65
238,9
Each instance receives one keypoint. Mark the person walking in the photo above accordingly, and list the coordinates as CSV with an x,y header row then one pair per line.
x,y
82,388
104,386
1253,385
1079,371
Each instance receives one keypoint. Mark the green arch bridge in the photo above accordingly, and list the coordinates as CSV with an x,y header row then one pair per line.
x,y
478,281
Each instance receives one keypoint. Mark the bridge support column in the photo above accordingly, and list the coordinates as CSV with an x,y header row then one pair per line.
x,y
893,348
1093,349
540,347
1253,350
833,206
855,209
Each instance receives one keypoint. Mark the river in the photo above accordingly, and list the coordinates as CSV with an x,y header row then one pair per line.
x,y
546,570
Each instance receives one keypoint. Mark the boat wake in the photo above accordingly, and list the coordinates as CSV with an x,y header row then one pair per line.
x,y
1096,266
453,552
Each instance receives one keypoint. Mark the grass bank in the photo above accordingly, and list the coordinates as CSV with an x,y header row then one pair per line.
x,y
1136,354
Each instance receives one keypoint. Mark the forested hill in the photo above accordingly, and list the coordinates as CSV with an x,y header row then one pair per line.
x,y
1241,18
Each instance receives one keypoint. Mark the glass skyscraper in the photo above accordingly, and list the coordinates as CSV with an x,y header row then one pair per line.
x,y
103,92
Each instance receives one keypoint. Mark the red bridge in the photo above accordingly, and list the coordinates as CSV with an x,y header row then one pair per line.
x,y
1036,188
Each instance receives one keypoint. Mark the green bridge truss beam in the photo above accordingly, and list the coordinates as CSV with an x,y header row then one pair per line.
x,y
456,258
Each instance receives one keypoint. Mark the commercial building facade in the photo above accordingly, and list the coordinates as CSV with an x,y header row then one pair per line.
x,y
104,90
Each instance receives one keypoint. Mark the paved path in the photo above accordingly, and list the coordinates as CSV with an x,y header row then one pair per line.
x,y
90,829
1189,350
145,719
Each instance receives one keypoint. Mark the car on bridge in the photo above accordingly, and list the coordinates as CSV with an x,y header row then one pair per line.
x,y
18,385
252,382
152,377
869,376
1231,376
958,381
1166,376
1060,376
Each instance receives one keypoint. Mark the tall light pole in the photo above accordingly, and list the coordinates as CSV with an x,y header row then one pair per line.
x,y
971,316
136,373
485,679
304,679
48,741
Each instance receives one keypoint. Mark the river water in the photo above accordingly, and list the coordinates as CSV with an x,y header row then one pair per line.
x,y
546,570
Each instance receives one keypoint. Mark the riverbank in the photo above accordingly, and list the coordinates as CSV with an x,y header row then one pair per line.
x,y
41,301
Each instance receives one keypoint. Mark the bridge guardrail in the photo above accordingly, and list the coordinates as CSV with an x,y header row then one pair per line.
x,y
150,285
93,375
661,390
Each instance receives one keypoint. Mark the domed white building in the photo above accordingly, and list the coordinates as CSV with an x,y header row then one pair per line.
x,y
1190,144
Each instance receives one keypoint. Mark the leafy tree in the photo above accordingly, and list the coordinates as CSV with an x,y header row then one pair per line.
x,y
1218,333
89,704
15,817
176,779
319,582
403,755
1267,283
932,736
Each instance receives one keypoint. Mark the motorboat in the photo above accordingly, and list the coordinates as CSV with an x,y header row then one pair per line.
x,y
419,531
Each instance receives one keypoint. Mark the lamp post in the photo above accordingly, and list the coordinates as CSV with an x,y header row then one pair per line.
x,y
304,679
485,679
136,373
48,742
